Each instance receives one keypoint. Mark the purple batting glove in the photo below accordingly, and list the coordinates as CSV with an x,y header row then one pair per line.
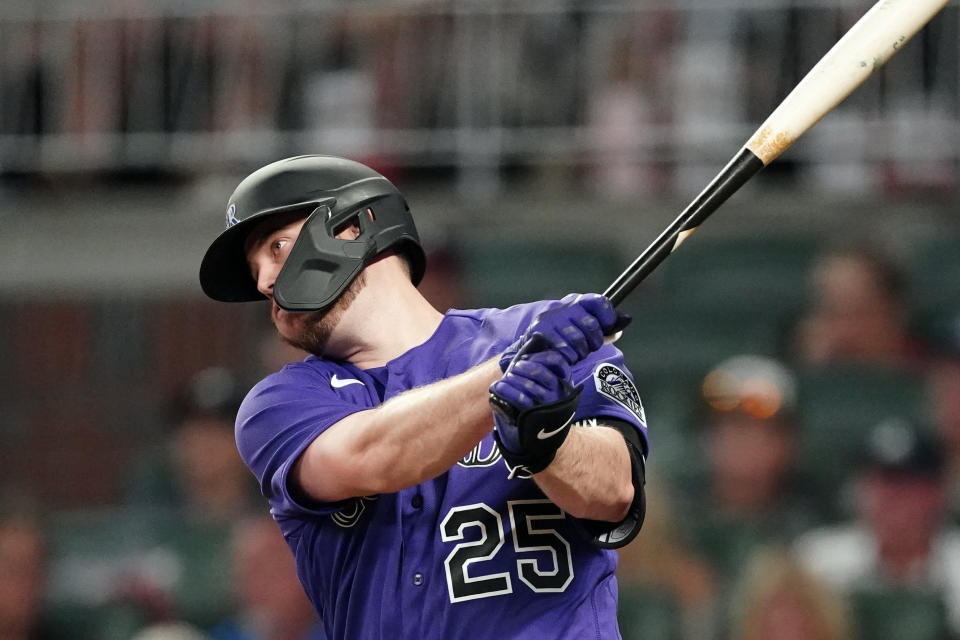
x,y
538,375
574,328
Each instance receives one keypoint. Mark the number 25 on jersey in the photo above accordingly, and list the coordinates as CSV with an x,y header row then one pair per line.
x,y
530,526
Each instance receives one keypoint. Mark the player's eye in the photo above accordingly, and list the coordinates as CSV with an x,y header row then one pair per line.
x,y
276,247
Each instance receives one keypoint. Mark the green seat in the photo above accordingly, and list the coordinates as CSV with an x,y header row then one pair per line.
x,y
940,326
933,272
502,272
647,613
668,341
203,593
187,558
900,614
840,405
669,403
92,622
763,274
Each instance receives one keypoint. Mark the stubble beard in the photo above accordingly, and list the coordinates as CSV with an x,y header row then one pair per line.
x,y
319,325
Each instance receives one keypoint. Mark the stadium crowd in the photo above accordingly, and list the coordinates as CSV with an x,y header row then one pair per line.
x,y
810,493
803,397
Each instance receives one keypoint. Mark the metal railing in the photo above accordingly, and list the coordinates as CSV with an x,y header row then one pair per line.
x,y
625,93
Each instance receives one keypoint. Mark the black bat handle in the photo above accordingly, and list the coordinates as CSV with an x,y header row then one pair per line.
x,y
741,168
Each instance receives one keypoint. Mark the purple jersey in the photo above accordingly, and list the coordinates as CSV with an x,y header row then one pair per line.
x,y
471,553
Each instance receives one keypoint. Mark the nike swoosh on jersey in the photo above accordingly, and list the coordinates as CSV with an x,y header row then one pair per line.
x,y
543,435
338,383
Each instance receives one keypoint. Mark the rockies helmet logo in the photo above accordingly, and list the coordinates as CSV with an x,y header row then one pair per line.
x,y
232,215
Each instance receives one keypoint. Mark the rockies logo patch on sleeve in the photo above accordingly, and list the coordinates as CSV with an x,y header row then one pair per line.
x,y
616,385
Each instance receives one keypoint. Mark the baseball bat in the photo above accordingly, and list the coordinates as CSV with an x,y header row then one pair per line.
x,y
867,46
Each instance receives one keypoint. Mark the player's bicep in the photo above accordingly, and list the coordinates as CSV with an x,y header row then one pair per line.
x,y
276,423
336,465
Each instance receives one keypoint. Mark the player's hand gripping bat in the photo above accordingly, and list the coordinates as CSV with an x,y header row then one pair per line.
x,y
873,40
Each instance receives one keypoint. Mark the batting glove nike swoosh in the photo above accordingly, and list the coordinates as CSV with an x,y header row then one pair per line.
x,y
533,405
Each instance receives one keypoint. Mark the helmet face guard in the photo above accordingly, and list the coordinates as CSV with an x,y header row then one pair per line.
x,y
337,194
321,266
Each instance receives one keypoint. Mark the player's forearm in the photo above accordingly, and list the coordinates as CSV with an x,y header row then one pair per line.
x,y
409,439
590,476
433,427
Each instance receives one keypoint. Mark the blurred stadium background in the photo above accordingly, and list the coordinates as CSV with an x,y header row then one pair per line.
x,y
541,144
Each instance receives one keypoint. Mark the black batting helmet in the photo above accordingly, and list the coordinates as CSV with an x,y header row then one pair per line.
x,y
333,193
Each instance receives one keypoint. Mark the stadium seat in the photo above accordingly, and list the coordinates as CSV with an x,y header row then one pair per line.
x,y
669,403
840,405
92,622
677,342
502,272
933,272
99,556
763,274
203,593
647,613
941,325
904,615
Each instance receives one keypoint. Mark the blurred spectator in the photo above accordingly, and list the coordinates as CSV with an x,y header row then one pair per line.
x,y
749,493
170,631
22,576
191,491
24,83
779,600
943,406
442,285
201,472
274,353
629,103
899,542
619,120
271,603
858,313
661,562
118,571
246,92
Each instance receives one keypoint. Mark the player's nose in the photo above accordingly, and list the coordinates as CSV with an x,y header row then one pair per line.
x,y
266,277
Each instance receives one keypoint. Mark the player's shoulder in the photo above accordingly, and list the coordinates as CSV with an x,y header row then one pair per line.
x,y
513,319
313,375
303,372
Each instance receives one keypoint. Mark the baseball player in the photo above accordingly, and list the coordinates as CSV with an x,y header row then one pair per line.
x,y
456,475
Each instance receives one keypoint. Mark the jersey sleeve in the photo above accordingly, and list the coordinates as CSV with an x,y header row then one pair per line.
x,y
609,391
277,420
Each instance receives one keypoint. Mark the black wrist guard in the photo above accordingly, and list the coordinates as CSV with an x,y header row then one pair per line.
x,y
542,430
613,535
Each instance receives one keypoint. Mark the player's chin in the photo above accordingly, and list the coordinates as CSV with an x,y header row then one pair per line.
x,y
289,325
306,331
284,321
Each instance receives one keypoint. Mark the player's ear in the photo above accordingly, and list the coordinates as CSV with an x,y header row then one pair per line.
x,y
348,229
